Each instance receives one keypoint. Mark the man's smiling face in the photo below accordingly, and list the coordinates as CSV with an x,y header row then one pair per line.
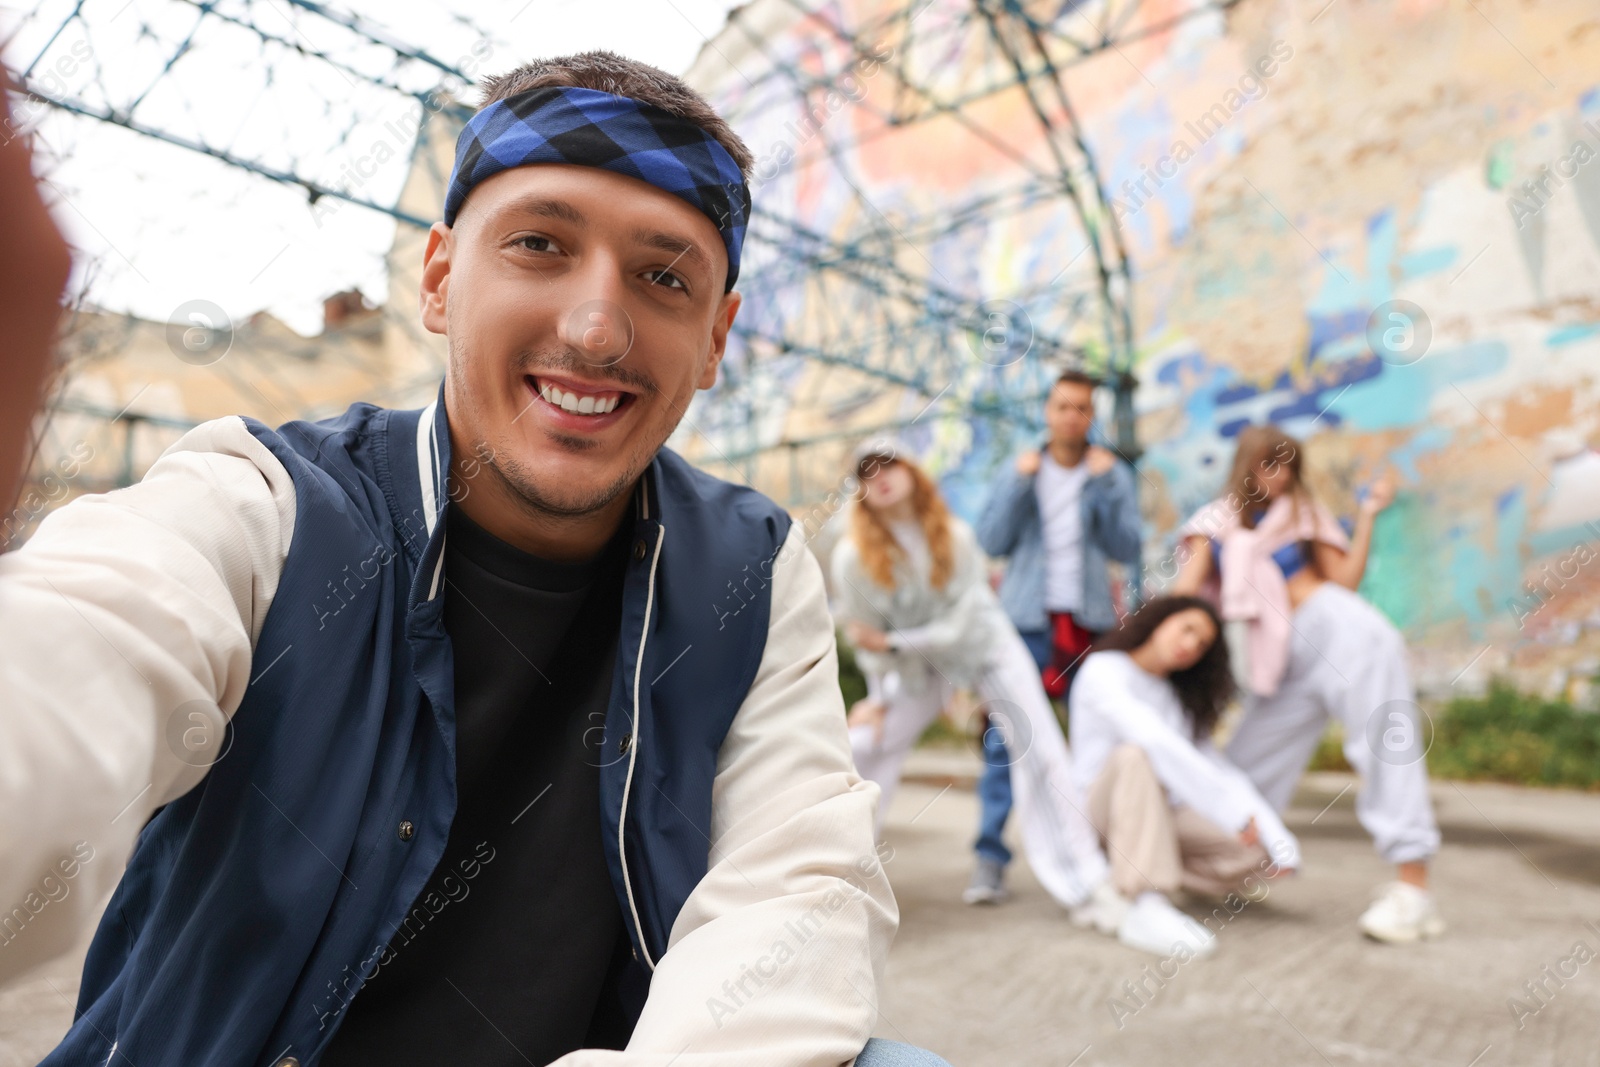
x,y
583,309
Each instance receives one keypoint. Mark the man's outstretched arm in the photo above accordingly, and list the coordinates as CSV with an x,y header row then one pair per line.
x,y
34,264
777,956
122,612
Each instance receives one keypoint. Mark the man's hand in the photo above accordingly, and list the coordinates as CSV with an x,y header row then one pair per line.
x,y
868,712
34,263
1100,460
1250,835
869,638
1028,464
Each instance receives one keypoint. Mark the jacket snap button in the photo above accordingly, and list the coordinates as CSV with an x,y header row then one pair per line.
x,y
406,830
625,744
639,549
287,1061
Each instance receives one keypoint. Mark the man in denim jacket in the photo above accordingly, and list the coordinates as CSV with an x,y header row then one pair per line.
x,y
1061,515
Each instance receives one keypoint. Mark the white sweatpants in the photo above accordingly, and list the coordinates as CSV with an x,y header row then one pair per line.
x,y
1063,849
1349,662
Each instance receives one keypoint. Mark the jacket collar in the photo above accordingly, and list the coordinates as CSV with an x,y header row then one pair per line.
x,y
433,459
432,471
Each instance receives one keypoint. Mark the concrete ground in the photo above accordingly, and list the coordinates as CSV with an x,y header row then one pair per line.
x,y
1292,982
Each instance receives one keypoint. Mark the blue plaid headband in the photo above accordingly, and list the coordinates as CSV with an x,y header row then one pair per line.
x,y
563,124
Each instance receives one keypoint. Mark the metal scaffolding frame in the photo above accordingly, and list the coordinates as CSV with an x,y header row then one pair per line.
x,y
893,320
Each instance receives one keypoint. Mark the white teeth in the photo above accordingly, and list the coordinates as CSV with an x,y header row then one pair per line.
x,y
587,405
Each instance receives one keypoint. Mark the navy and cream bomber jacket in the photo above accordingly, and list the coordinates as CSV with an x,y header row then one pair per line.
x,y
289,583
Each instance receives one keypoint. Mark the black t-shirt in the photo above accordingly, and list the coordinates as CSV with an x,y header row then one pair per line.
x,y
513,953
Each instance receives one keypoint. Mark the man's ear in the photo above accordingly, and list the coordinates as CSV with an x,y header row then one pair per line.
x,y
719,338
435,287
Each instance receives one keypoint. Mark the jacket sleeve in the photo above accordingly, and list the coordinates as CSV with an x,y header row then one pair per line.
x,y
1276,838
1115,507
852,602
123,611
963,603
777,956
1003,513
1190,777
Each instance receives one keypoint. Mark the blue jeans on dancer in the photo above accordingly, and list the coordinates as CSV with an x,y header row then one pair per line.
x,y
1057,653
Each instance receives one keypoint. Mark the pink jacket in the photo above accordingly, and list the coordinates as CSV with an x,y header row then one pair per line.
x,y
1252,587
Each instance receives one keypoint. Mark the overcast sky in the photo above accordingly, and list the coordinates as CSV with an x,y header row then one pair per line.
x,y
160,225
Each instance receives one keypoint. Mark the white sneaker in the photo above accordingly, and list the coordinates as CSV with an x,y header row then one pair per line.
x,y
1154,925
1402,913
1104,910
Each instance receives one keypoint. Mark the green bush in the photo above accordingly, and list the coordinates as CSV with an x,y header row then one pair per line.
x,y
1329,755
1509,736
852,683
1503,736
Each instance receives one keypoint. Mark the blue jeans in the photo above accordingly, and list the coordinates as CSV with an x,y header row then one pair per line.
x,y
994,788
894,1054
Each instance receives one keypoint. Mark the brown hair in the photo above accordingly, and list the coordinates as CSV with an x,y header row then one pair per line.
x,y
1073,376
607,72
877,546
1261,448
1203,689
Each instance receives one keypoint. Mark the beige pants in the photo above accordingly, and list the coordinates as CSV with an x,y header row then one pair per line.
x,y
1153,845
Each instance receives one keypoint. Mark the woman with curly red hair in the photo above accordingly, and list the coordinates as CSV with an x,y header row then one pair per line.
x,y
912,591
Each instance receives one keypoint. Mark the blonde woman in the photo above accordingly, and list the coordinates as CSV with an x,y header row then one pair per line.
x,y
1284,574
913,595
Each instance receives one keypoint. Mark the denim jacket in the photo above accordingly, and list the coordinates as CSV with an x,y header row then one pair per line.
x,y
1011,526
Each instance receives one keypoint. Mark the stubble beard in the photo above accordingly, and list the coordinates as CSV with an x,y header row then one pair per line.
x,y
518,479
523,487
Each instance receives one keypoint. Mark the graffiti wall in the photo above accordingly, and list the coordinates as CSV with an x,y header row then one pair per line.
x,y
1376,224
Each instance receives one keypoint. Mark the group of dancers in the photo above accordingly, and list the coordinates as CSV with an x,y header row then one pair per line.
x,y
1260,603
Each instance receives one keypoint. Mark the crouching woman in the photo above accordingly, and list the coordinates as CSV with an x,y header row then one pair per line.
x,y
1173,812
